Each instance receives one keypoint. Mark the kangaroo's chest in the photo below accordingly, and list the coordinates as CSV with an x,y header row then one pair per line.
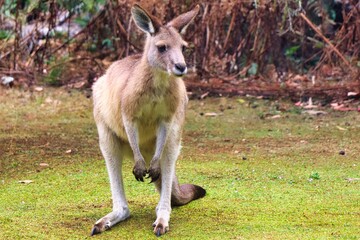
x,y
156,104
153,109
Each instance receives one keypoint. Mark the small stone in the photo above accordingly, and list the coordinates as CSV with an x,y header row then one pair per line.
x,y
342,152
244,158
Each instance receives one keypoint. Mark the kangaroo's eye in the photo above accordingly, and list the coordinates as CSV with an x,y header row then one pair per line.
x,y
183,48
162,48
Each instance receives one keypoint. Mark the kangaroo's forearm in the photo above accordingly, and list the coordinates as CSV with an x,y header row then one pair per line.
x,y
133,138
161,137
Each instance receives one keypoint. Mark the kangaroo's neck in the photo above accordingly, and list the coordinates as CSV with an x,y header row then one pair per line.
x,y
154,78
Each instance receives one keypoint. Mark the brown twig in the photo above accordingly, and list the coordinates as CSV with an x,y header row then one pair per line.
x,y
126,36
230,29
325,39
17,34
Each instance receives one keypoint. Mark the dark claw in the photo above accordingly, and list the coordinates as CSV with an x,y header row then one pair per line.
x,y
139,173
154,175
95,230
107,227
158,232
154,179
139,179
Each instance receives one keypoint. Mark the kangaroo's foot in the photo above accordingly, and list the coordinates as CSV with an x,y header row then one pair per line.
x,y
139,170
154,170
161,224
110,220
160,227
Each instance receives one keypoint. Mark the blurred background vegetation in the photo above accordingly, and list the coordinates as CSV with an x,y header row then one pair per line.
x,y
261,47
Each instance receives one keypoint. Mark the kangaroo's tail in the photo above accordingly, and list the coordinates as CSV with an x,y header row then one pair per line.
x,y
183,194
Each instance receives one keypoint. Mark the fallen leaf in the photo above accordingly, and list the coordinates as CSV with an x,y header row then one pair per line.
x,y
48,100
69,151
274,117
301,78
341,128
26,181
240,100
342,107
315,113
326,70
310,104
43,165
38,89
79,84
298,104
352,94
210,114
352,179
204,95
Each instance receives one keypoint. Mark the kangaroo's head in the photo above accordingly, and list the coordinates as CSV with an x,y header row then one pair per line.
x,y
164,45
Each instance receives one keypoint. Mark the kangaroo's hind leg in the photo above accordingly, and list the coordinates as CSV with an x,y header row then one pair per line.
x,y
171,192
111,149
167,165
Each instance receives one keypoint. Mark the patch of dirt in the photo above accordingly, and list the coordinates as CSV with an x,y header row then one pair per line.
x,y
25,154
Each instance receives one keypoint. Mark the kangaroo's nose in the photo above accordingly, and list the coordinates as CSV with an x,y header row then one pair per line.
x,y
180,69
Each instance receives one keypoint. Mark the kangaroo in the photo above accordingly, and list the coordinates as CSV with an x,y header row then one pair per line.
x,y
139,109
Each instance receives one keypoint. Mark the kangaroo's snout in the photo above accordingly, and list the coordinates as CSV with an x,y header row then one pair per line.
x,y
180,69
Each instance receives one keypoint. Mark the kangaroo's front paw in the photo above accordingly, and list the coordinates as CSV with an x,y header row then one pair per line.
x,y
154,170
160,227
139,170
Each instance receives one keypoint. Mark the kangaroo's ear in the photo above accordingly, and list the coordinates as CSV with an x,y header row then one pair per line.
x,y
182,21
145,21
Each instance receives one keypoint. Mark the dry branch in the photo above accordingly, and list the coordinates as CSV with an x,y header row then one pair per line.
x,y
325,39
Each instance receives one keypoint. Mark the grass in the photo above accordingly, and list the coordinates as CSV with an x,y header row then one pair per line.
x,y
280,178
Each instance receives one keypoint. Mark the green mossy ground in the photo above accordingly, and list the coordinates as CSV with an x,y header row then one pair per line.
x,y
280,178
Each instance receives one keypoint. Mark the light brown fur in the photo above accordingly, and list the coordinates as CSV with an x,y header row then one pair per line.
x,y
139,109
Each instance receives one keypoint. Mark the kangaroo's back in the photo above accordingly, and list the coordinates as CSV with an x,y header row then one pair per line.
x,y
108,91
